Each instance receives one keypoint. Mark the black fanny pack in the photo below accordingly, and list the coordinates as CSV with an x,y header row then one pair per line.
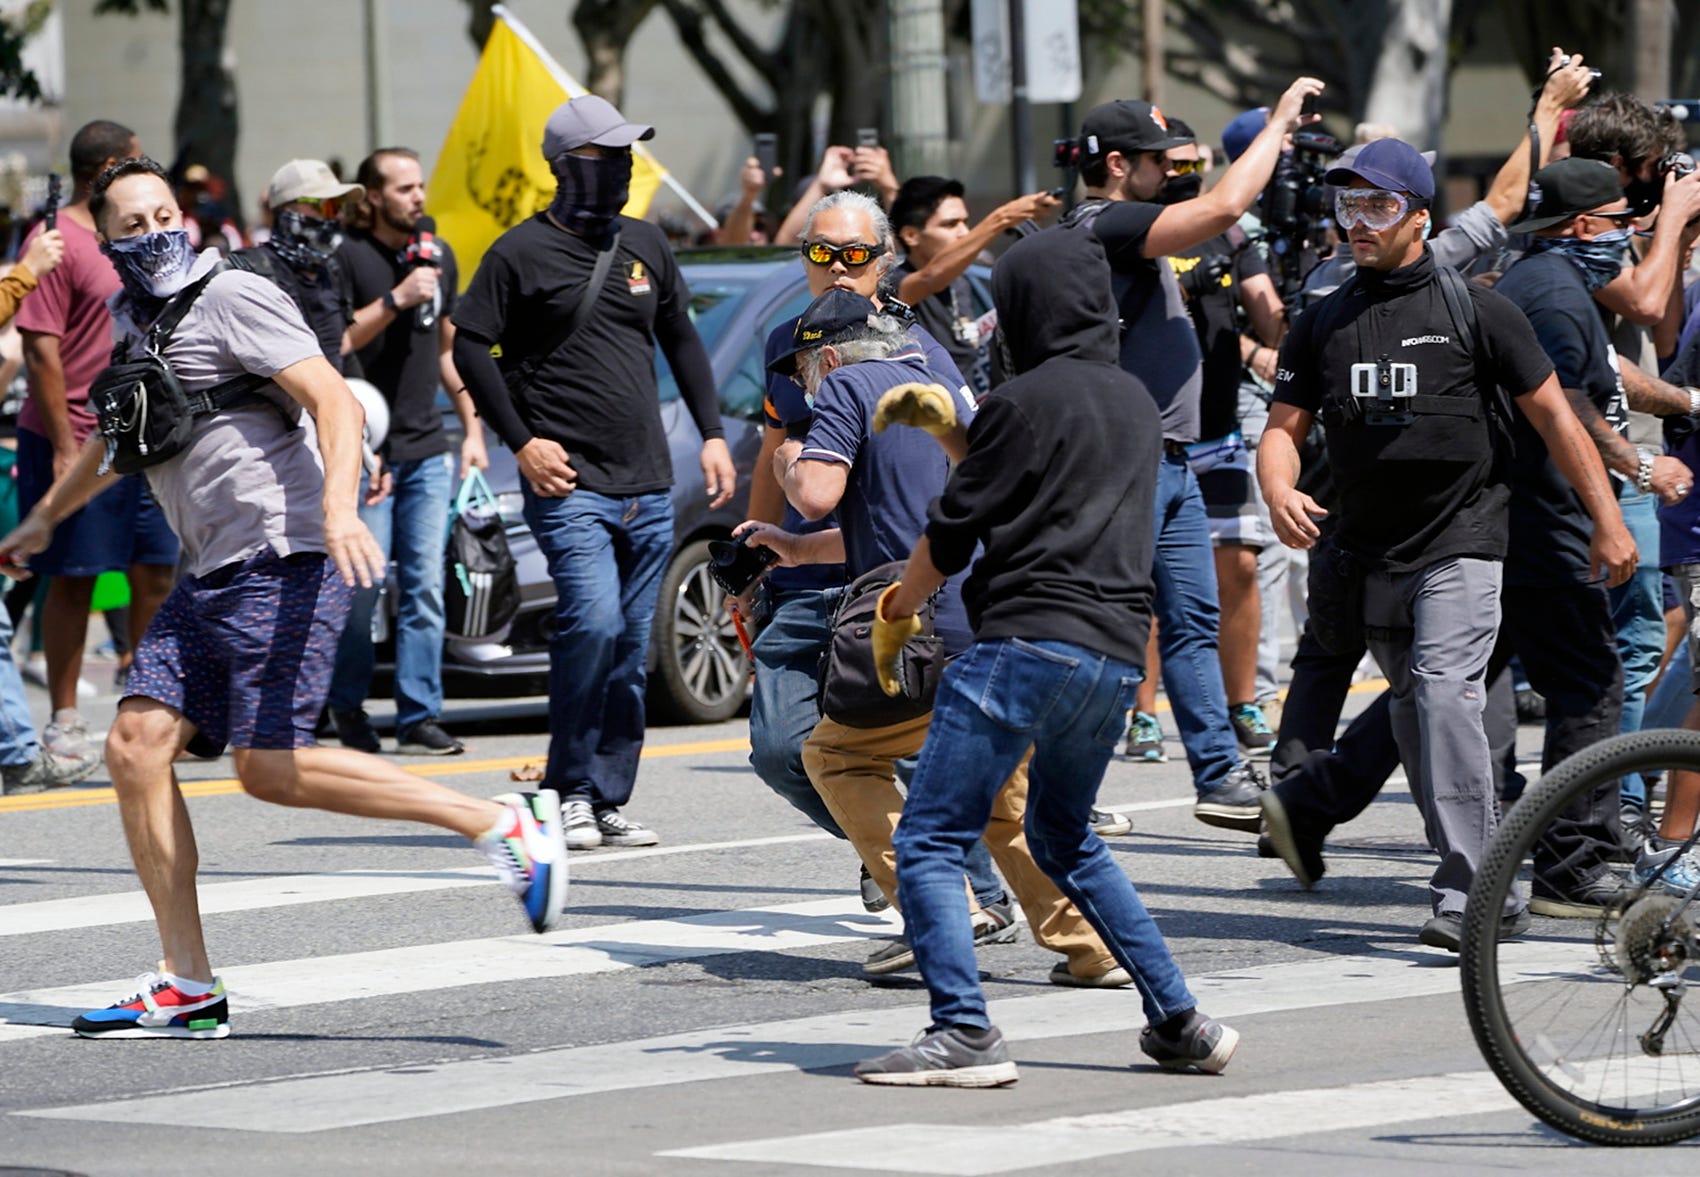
x,y
145,414
850,691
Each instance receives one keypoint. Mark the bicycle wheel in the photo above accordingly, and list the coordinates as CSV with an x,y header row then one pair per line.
x,y
1585,1020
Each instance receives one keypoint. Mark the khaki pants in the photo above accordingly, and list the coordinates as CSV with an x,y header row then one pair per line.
x,y
854,771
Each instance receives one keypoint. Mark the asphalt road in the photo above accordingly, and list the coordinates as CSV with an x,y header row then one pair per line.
x,y
697,1012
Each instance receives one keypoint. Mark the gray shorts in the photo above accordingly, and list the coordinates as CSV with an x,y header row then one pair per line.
x,y
1227,480
1687,578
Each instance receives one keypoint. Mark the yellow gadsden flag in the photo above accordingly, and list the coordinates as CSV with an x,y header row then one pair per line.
x,y
491,173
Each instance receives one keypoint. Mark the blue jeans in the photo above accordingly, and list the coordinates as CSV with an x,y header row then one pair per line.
x,y
1638,613
784,709
606,556
1188,618
18,743
412,525
1071,705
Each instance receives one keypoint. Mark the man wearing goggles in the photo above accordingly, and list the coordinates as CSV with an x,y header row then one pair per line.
x,y
1422,511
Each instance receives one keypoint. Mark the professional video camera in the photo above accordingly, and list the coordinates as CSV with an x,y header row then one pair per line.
x,y
1204,275
1294,207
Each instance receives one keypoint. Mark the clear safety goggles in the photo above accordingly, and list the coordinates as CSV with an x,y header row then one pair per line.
x,y
1376,208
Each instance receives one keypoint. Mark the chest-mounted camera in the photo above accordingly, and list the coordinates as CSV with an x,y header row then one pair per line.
x,y
1383,392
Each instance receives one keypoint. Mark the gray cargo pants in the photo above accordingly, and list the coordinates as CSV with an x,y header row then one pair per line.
x,y
1431,631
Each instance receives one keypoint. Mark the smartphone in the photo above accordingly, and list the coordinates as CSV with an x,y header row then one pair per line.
x,y
767,152
1309,107
50,217
867,136
1058,193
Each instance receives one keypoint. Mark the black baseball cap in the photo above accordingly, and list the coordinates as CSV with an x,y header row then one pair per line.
x,y
1569,187
1387,163
919,196
1127,126
834,317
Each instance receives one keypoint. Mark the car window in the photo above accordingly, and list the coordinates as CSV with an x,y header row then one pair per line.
x,y
713,306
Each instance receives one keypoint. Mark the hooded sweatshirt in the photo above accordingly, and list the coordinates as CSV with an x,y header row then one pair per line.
x,y
1061,468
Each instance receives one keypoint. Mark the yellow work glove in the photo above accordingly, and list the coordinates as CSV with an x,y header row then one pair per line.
x,y
888,638
925,406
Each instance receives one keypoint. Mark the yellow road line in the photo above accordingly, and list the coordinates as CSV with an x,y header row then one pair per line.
x,y
72,798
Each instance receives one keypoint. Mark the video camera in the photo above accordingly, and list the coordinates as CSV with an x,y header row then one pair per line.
x,y
1205,277
1294,206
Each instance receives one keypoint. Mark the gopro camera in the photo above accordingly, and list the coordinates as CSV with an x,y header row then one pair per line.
x,y
737,564
1380,387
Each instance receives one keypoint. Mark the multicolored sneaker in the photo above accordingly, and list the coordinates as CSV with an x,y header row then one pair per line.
x,y
1252,730
159,1009
529,854
1145,739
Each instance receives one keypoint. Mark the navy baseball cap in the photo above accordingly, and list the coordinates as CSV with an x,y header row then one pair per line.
x,y
1239,133
1388,163
834,317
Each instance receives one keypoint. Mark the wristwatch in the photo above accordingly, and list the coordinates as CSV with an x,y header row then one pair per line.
x,y
1644,468
389,302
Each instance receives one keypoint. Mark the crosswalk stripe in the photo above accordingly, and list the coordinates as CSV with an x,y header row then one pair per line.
x,y
95,911
323,1102
990,1147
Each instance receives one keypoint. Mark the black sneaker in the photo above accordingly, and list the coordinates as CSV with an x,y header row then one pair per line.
x,y
619,830
1291,841
426,738
1191,1040
1585,901
1233,804
1446,929
355,730
957,1056
873,899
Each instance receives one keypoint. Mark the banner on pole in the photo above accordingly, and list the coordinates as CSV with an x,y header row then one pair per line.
x,y
491,174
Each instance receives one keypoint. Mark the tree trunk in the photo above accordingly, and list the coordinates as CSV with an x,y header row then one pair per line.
x,y
605,27
206,125
479,21
1409,87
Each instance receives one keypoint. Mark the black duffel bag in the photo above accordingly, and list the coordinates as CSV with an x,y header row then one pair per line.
x,y
850,691
480,579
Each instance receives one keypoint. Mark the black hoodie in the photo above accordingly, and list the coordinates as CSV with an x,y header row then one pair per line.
x,y
1061,467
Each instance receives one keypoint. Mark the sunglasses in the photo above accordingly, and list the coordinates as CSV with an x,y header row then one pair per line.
x,y
1185,167
853,255
329,207
1376,208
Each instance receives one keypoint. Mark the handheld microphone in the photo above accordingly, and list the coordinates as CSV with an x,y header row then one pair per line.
x,y
424,250
50,212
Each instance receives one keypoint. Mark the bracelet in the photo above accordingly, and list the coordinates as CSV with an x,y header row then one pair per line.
x,y
1644,469
1693,401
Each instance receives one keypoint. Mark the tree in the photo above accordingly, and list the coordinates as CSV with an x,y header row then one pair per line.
x,y
16,79
206,126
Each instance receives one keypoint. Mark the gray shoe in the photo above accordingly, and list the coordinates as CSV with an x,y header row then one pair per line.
x,y
1234,804
891,957
1199,1042
68,736
619,830
1114,979
579,826
46,771
952,1057
873,899
1107,823
995,924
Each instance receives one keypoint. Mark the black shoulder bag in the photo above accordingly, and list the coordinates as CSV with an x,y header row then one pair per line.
x,y
850,691
145,414
519,378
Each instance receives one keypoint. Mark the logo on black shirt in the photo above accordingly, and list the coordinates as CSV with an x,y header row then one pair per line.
x,y
637,280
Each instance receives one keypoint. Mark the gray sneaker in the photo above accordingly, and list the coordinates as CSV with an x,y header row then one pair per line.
x,y
1234,804
957,1056
68,736
1197,1041
891,957
579,826
46,771
619,830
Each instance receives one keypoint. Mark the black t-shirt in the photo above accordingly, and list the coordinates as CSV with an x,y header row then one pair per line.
x,y
596,395
1549,528
1436,489
403,361
948,317
322,293
1215,317
1158,343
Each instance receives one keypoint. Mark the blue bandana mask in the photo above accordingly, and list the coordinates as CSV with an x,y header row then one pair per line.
x,y
1600,260
305,241
590,192
152,266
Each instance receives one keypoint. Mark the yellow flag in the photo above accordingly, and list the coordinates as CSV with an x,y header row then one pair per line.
x,y
491,173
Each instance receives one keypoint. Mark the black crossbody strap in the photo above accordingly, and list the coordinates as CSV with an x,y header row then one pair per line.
x,y
527,371
173,312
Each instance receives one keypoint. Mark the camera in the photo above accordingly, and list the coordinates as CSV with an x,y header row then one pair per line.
x,y
737,564
1678,163
1294,206
1205,276
1065,153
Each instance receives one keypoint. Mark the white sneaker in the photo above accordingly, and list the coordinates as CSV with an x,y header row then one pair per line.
x,y
68,736
578,823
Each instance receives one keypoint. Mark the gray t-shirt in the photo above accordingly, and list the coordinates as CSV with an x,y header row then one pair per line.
x,y
248,479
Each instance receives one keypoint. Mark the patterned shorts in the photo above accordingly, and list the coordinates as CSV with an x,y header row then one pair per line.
x,y
1227,480
245,652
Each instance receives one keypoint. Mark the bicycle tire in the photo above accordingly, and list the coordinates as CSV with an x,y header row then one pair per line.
x,y
1484,997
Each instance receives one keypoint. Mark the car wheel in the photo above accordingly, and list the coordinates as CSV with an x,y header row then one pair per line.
x,y
701,672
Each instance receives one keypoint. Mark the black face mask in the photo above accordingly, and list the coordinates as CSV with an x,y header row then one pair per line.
x,y
1644,195
1177,189
590,192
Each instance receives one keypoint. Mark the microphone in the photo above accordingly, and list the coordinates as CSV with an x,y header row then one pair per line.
x,y
424,250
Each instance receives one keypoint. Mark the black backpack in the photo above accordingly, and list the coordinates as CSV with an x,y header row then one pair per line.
x,y
144,413
480,576
850,691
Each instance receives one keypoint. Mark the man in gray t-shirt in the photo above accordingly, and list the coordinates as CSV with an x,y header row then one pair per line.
x,y
241,650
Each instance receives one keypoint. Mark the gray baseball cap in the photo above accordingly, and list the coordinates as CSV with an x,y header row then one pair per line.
x,y
589,119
